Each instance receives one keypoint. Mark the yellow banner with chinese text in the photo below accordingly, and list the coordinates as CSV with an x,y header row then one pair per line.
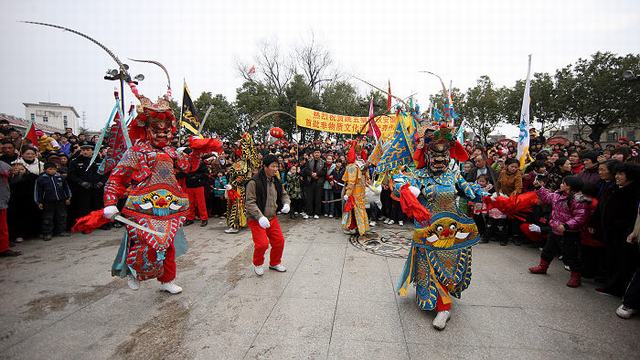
x,y
341,124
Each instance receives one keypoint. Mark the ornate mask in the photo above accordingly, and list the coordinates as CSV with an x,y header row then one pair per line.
x,y
438,157
159,132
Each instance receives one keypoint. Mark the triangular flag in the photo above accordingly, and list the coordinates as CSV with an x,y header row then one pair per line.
x,y
31,134
374,130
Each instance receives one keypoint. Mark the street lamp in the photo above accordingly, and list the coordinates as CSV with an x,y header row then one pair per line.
x,y
123,76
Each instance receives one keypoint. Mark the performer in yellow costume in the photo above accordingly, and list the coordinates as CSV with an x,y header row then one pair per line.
x,y
238,174
355,179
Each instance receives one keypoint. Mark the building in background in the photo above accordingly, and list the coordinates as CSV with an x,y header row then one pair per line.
x,y
52,115
21,124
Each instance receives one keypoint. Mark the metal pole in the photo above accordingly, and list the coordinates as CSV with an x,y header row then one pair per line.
x,y
122,95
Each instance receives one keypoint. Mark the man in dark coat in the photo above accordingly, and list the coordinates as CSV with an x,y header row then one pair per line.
x,y
482,168
314,174
86,184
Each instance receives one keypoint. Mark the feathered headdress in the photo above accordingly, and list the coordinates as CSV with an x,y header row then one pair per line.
x,y
160,110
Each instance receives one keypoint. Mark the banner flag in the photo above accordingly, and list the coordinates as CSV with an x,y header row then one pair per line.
x,y
523,138
341,124
189,119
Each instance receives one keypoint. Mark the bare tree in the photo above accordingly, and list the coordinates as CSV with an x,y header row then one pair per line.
x,y
271,68
314,61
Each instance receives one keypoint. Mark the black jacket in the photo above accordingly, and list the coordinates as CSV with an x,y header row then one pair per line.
x,y
51,189
79,172
619,212
317,167
199,177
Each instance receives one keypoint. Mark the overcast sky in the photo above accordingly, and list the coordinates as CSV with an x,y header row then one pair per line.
x,y
376,40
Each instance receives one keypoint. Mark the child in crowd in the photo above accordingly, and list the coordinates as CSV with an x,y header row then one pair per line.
x,y
52,194
294,189
570,212
219,202
479,209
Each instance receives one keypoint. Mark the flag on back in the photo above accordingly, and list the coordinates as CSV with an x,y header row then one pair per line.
x,y
399,149
189,119
523,138
374,130
31,135
116,143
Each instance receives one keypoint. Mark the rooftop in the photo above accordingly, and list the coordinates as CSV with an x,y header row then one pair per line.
x,y
22,124
52,104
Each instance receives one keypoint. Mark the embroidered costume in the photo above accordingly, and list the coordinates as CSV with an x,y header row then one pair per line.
x,y
354,216
155,201
439,263
238,174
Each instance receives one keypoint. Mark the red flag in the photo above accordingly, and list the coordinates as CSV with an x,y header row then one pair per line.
x,y
389,96
31,134
252,70
374,130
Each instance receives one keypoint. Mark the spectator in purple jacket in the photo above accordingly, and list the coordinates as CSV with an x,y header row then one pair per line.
x,y
570,212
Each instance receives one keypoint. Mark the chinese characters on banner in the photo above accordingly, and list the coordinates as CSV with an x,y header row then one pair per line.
x,y
340,124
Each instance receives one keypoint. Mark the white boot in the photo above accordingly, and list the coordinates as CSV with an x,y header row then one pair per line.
x,y
440,321
259,270
134,284
231,231
278,268
170,287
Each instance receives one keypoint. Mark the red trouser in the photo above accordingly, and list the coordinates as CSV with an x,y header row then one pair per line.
x,y
263,237
169,265
4,231
197,200
441,306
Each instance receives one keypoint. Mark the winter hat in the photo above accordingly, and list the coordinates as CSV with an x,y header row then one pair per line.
x,y
269,159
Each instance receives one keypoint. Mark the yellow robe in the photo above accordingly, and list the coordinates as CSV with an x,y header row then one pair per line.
x,y
355,182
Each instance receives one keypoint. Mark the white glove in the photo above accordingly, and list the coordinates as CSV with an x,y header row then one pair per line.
x,y
494,196
414,190
534,228
285,209
110,212
228,187
264,222
346,198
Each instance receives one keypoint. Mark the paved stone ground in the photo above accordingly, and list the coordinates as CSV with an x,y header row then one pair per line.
x,y
336,301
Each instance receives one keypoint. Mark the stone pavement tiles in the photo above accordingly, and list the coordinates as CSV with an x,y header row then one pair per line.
x,y
336,301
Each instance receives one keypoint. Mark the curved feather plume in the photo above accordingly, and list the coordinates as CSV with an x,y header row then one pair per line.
x,y
383,91
444,88
161,67
113,56
269,114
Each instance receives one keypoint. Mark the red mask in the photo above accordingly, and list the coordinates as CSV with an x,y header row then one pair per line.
x,y
159,133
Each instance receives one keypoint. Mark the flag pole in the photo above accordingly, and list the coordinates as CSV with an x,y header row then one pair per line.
x,y
523,138
184,84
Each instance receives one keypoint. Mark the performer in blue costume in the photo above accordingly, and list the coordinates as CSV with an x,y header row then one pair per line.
x,y
439,263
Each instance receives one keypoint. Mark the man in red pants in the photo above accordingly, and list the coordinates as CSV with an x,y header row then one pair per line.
x,y
265,195
196,181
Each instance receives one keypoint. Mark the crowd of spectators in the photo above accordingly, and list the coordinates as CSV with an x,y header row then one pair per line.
x,y
52,183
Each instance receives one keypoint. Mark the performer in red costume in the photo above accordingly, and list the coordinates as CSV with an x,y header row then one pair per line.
x,y
155,199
